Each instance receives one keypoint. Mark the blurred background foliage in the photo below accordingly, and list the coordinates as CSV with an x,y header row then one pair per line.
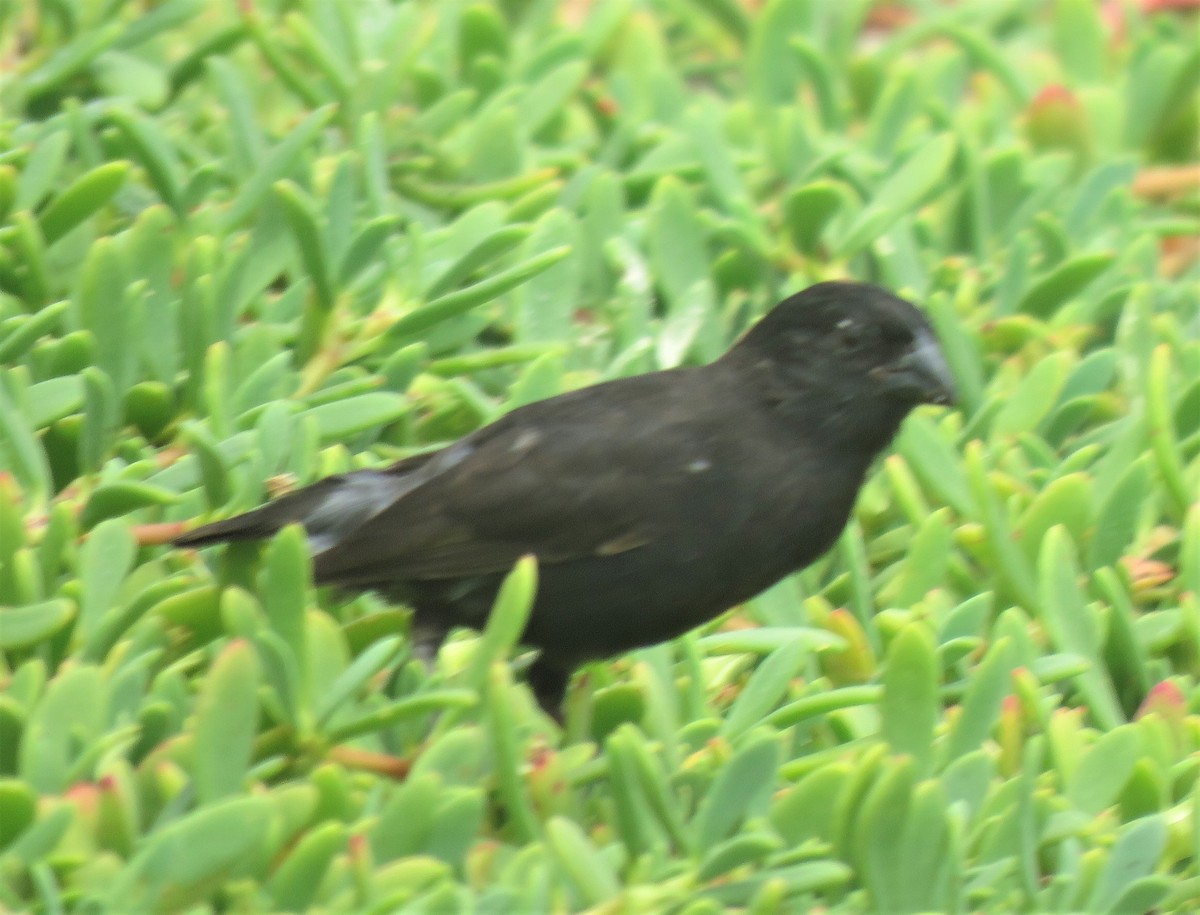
x,y
244,245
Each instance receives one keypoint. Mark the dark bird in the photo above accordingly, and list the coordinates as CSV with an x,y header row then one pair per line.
x,y
652,503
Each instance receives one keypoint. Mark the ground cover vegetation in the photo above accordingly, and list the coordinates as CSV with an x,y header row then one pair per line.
x,y
247,245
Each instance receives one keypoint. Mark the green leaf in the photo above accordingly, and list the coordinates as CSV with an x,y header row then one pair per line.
x,y
879,826
740,787
1051,291
105,307
150,405
28,249
1015,570
906,186
286,574
373,659
1032,398
543,99
1152,80
343,419
1103,770
1135,855
1081,39
306,229
935,463
806,811
462,301
101,416
405,821
40,839
418,706
22,451
153,152
546,303
41,173
581,865
509,765
82,199
226,723
363,248
634,825
482,252
33,623
1071,624
1066,501
69,715
507,620
1162,431
772,66
69,59
275,165
54,399
18,334
175,864
105,559
18,807
214,475
807,211
928,869
990,683
823,703
924,566
909,708
765,688
294,884
679,253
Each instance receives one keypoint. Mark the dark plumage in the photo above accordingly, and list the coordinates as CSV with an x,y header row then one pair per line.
x,y
653,503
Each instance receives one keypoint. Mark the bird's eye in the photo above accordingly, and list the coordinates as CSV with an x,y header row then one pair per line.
x,y
849,335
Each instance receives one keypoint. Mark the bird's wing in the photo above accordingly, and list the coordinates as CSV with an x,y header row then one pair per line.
x,y
328,508
595,473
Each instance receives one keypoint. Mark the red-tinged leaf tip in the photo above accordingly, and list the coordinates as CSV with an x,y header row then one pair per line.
x,y
84,795
1178,252
1054,95
885,18
1165,698
1166,181
737,623
727,694
1170,6
1056,119
158,534
540,756
1147,574
608,106
378,763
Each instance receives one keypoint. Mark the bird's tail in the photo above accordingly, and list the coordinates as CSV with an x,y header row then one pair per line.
x,y
302,507
329,509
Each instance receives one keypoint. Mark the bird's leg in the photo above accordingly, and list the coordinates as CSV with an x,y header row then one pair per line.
x,y
549,684
427,636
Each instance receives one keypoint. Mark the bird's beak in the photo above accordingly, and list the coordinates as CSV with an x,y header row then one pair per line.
x,y
922,372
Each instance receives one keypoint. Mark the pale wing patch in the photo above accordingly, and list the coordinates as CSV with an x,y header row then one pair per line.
x,y
622,544
526,440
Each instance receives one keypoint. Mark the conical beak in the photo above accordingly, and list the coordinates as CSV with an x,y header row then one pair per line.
x,y
922,373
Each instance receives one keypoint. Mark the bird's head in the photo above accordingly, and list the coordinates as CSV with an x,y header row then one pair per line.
x,y
853,348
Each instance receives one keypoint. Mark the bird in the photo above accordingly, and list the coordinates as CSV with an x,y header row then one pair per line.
x,y
653,503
